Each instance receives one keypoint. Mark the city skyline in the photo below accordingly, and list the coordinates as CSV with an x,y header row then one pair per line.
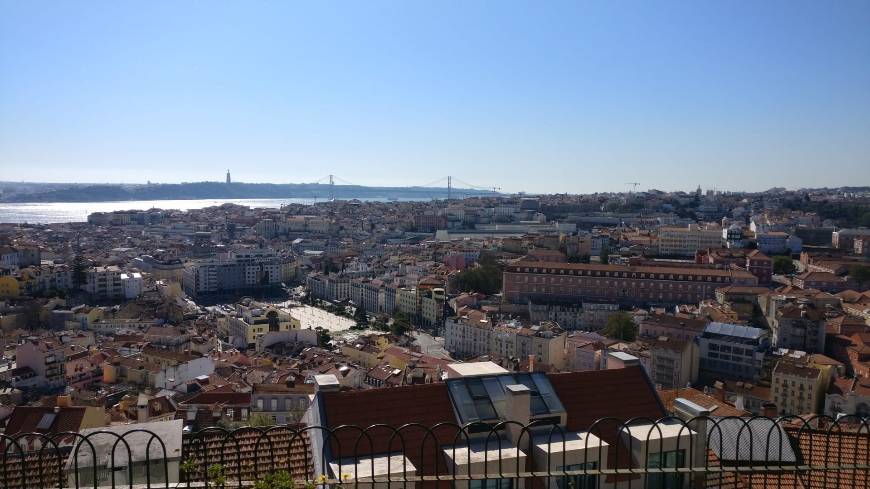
x,y
722,95
628,186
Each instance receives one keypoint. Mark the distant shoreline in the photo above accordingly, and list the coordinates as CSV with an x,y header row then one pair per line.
x,y
218,190
66,212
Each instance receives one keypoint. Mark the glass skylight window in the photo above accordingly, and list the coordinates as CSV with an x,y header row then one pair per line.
x,y
482,399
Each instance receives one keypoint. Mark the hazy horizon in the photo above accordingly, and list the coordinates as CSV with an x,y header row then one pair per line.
x,y
629,188
576,97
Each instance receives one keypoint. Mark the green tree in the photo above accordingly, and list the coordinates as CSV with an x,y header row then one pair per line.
x,y
78,271
605,255
324,338
329,266
620,326
360,316
486,277
276,480
783,265
260,420
380,324
860,274
400,325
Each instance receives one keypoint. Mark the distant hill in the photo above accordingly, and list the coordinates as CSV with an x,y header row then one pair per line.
x,y
220,190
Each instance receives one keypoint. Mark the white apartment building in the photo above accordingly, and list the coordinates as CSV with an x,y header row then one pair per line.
x,y
673,363
685,241
45,358
473,334
104,282
133,284
468,335
240,270
406,301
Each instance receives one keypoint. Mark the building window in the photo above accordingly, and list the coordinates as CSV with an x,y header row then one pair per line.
x,y
662,460
578,481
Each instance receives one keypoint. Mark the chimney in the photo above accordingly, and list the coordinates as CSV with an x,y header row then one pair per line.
x,y
738,403
519,410
64,401
142,409
531,363
326,383
719,388
768,409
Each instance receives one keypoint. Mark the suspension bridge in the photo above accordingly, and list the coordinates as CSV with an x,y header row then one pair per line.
x,y
445,187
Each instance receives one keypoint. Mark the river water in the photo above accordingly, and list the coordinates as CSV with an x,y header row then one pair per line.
x,y
52,212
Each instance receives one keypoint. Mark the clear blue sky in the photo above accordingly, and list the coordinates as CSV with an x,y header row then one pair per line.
x,y
537,96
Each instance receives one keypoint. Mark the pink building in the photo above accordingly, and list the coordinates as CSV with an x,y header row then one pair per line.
x,y
455,261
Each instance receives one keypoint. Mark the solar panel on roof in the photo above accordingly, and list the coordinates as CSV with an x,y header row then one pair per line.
x,y
46,421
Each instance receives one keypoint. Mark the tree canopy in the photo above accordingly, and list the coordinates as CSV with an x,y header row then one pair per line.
x,y
486,277
783,265
401,325
620,326
78,271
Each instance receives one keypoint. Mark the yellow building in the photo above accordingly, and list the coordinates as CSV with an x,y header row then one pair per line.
x,y
9,286
367,355
253,322
798,388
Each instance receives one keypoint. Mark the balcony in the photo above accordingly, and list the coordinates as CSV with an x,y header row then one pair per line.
x,y
703,452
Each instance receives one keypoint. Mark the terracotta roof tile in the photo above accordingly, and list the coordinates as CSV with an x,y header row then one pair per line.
x,y
25,419
427,404
668,396
620,393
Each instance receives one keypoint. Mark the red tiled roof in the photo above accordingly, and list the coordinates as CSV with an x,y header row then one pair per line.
x,y
427,404
668,396
217,396
25,419
586,396
620,393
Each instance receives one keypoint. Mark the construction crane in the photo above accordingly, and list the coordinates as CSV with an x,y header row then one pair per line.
x,y
633,183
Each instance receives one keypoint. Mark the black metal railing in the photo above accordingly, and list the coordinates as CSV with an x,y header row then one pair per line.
x,y
722,452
